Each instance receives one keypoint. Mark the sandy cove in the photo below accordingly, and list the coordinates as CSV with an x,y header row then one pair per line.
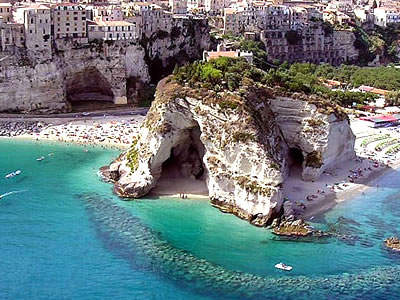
x,y
346,180
310,198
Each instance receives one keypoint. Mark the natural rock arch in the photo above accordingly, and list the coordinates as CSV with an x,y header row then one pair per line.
x,y
184,169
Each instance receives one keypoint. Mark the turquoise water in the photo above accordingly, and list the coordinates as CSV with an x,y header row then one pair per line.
x,y
64,235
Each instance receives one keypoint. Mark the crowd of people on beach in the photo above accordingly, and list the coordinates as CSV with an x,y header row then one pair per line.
x,y
366,163
119,133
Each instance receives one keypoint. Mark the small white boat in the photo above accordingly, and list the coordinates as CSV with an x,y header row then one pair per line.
x,y
12,174
284,267
40,158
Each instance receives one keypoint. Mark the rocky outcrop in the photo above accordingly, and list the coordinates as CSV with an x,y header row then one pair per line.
x,y
393,243
323,138
238,143
237,154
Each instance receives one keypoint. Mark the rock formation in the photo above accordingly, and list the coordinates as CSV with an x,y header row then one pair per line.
x,y
393,243
322,137
100,70
237,142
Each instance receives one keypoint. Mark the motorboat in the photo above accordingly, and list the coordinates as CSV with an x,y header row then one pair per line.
x,y
40,158
12,174
284,267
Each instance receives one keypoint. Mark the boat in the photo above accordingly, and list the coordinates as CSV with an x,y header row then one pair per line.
x,y
284,267
40,158
12,174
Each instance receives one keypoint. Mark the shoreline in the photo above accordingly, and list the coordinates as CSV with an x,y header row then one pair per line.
x,y
335,185
116,132
359,188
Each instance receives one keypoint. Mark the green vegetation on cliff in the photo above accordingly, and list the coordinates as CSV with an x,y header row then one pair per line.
x,y
236,74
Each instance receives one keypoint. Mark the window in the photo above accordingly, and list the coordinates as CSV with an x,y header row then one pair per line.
x,y
75,18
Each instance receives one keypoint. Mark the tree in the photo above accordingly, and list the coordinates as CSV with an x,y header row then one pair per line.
x,y
393,98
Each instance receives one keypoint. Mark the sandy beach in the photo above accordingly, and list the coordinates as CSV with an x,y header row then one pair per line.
x,y
342,182
112,131
348,179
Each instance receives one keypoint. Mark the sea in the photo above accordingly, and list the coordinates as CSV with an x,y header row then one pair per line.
x,y
64,234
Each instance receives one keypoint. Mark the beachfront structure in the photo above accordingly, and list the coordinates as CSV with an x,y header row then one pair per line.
x,y
372,90
382,120
112,30
69,21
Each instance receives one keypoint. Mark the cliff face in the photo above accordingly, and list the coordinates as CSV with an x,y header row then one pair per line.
x,y
323,138
238,144
164,50
107,71
29,88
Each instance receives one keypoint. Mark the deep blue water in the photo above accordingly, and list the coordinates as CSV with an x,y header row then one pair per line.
x,y
64,235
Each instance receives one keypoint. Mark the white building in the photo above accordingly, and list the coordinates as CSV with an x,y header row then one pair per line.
x,y
385,16
112,30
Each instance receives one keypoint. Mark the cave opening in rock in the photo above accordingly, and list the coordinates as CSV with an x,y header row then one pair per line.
x,y
184,171
88,89
296,159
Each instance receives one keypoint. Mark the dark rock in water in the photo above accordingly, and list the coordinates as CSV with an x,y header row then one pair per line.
x,y
393,243
293,228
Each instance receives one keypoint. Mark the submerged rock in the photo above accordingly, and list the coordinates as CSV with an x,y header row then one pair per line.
x,y
238,142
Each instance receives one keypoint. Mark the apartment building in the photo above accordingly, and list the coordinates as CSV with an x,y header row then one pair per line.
x,y
36,20
386,15
112,30
6,12
107,13
69,21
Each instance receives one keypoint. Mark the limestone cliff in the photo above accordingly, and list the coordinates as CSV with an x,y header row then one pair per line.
x,y
323,138
31,88
238,142
99,70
